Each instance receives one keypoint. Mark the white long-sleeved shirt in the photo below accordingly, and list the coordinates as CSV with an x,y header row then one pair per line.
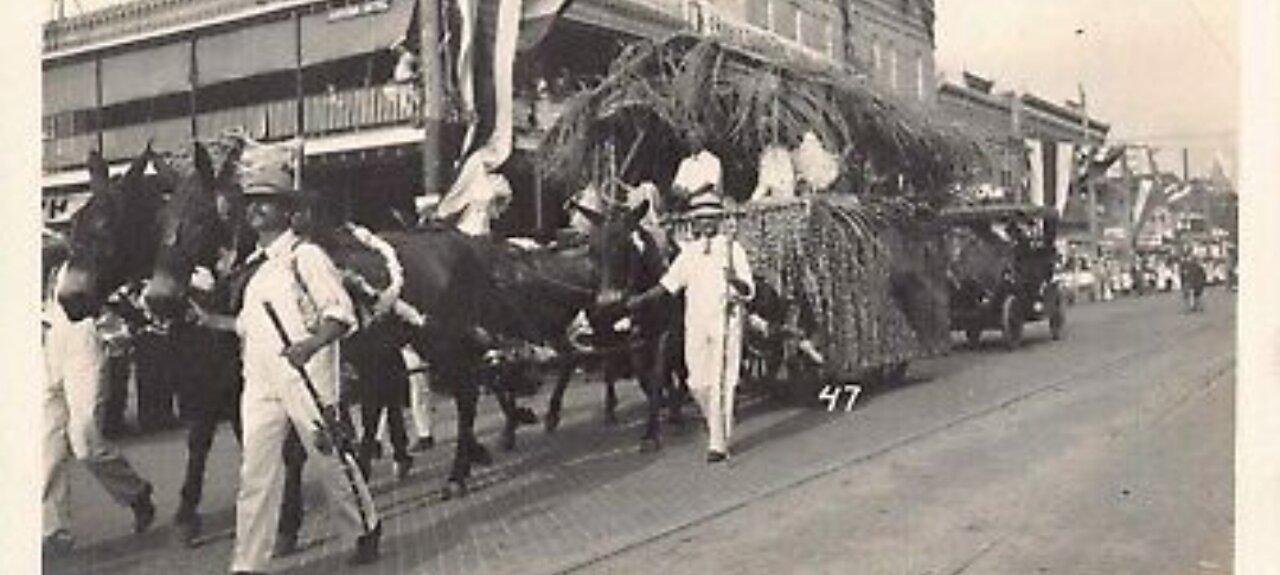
x,y
302,284
701,272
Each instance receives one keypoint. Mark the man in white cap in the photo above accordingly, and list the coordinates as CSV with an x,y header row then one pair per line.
x,y
713,273
301,283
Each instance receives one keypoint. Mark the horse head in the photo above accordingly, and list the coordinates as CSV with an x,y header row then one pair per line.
x,y
617,244
108,244
194,227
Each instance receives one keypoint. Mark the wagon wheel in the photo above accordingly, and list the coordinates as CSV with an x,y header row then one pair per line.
x,y
1011,321
1057,315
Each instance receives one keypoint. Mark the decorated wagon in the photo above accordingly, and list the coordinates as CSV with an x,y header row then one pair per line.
x,y
853,271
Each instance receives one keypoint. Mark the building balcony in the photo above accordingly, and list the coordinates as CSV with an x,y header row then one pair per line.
x,y
337,112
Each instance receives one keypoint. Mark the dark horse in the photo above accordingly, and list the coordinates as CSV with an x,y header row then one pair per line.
x,y
183,233
477,294
112,237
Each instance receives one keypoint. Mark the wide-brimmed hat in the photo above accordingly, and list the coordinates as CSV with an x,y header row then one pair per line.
x,y
268,169
705,205
268,182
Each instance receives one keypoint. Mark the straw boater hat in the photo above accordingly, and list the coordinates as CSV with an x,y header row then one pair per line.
x,y
705,205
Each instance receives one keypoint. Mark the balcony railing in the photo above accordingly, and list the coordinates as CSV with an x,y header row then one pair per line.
x,y
359,108
124,143
70,151
336,112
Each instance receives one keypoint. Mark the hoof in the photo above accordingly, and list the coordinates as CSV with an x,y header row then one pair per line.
x,y
552,423
676,419
526,416
454,488
508,440
649,445
610,419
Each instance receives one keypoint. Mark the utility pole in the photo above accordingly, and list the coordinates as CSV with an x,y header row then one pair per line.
x,y
431,108
1088,182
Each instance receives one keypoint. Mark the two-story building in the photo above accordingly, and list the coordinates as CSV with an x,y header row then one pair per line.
x,y
1005,121
174,71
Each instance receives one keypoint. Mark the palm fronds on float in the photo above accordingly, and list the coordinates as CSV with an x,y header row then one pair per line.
x,y
739,103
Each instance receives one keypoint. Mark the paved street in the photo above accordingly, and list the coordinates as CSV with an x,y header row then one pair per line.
x,y
1107,452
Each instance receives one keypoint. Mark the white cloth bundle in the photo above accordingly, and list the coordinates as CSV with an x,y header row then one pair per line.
x,y
777,175
814,164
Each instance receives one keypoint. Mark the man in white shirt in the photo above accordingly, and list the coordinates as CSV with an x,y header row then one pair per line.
x,y
301,283
697,173
714,275
75,394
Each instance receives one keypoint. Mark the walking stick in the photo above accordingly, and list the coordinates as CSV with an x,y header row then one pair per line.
x,y
726,411
330,428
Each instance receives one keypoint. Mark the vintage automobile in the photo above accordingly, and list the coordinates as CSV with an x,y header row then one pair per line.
x,y
1001,270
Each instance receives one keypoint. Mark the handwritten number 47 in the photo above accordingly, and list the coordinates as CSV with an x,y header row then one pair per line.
x,y
832,395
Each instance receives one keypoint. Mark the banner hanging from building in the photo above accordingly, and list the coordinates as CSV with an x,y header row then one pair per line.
x,y
489,34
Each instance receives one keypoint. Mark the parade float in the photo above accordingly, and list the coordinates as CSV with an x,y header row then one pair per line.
x,y
856,257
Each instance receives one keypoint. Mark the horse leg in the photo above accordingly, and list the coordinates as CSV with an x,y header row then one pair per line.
x,y
647,376
610,394
510,411
468,450
552,421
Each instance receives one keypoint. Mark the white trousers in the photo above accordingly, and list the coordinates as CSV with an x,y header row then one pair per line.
x,y
421,401
74,397
266,415
713,357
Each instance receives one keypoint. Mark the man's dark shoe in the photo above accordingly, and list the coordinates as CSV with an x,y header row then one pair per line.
x,y
367,547
716,456
403,466
286,545
424,444
247,573
144,511
189,527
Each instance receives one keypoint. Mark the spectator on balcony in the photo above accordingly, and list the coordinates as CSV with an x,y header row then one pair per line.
x,y
403,89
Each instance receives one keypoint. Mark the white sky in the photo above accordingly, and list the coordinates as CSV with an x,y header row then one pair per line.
x,y
1163,72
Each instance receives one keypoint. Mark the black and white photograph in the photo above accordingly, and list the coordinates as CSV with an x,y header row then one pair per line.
x,y
535,287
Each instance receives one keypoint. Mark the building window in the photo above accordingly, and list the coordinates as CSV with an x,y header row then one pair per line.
x,y
920,78
893,69
785,19
875,57
832,35
813,31
758,13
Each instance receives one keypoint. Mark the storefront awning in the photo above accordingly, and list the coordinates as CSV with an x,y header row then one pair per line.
x,y
67,88
246,52
354,29
146,73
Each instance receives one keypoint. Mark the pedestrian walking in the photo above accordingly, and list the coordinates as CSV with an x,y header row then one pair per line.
x,y
714,275
75,392
294,382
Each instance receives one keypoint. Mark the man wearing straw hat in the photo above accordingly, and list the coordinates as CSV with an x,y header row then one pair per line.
x,y
713,273
300,282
